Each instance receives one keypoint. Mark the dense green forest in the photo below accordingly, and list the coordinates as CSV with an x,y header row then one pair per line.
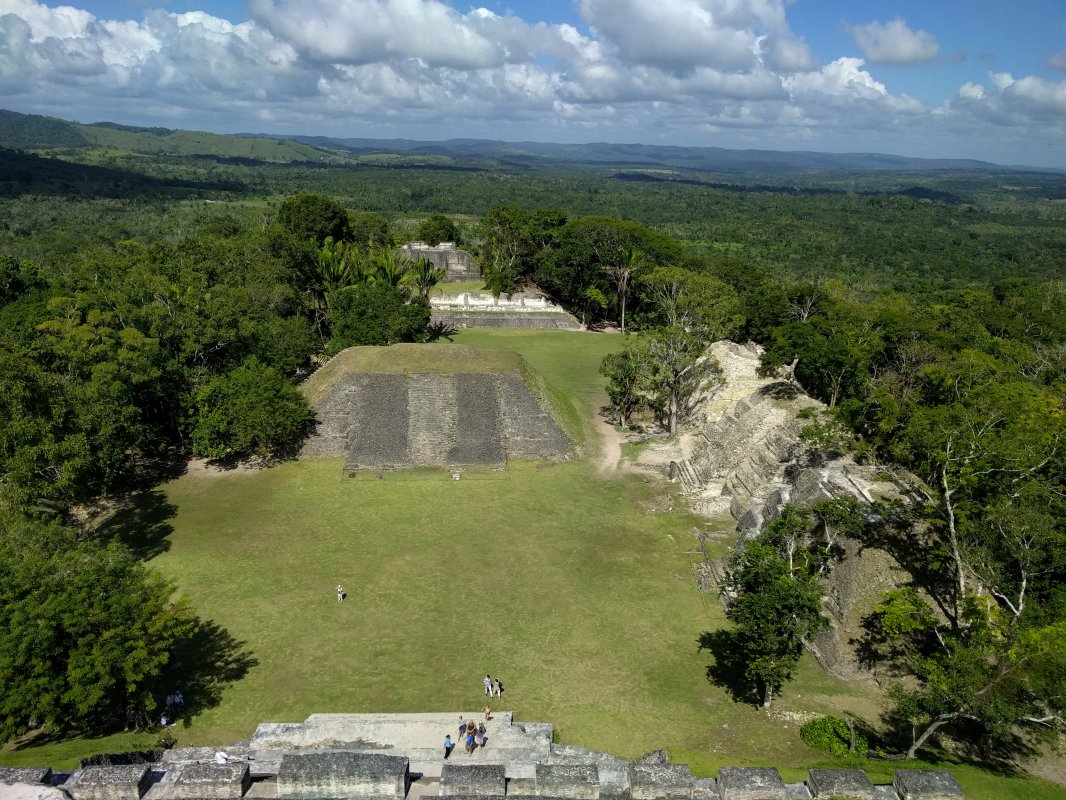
x,y
155,307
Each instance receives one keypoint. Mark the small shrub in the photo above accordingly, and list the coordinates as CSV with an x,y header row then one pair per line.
x,y
166,741
831,735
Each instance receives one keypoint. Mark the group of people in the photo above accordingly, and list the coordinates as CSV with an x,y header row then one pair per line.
x,y
493,687
473,735
175,702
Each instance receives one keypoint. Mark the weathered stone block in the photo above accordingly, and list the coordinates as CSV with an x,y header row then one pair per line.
x,y
473,780
31,791
109,783
797,791
310,776
852,784
575,781
704,789
655,781
913,784
11,775
211,782
750,783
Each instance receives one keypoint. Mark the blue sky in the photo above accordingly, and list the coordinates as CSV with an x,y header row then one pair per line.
x,y
950,78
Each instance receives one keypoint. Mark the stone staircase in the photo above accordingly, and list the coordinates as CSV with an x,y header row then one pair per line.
x,y
431,415
400,757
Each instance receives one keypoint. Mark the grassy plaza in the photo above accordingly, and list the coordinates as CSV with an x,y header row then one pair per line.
x,y
575,589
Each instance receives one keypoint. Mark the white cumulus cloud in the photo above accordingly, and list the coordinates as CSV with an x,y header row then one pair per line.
x,y
894,43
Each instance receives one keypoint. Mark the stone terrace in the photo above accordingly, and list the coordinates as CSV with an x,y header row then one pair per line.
x,y
398,756
433,419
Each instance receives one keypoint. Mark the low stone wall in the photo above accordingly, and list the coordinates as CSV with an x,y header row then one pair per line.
x,y
483,310
342,774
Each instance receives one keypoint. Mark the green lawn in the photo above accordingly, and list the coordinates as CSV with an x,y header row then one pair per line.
x,y
576,590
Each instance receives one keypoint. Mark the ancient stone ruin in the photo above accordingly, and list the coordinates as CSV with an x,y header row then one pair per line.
x,y
742,457
484,310
398,756
433,416
458,264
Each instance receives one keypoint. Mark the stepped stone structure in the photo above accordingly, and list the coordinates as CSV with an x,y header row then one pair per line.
x,y
484,310
398,756
399,420
742,457
459,264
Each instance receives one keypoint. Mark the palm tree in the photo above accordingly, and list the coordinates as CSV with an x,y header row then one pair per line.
x,y
388,266
629,261
336,266
423,276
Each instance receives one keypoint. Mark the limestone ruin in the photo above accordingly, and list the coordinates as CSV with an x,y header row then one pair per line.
x,y
484,310
742,457
398,756
458,264
464,410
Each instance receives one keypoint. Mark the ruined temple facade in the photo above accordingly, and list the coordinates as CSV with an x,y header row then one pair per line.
x,y
459,264
400,756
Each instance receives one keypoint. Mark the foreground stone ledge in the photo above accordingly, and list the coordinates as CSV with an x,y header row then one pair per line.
x,y
109,783
750,783
655,781
473,780
572,781
210,782
341,775
913,784
11,775
846,784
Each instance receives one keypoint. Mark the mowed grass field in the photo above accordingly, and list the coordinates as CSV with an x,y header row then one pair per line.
x,y
575,589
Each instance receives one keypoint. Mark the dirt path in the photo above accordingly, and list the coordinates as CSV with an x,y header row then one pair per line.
x,y
610,447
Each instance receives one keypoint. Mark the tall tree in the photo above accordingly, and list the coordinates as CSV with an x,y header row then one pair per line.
x,y
775,603
85,630
313,216
251,410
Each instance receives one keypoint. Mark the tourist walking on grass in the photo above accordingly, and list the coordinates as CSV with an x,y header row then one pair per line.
x,y
497,688
340,593
488,685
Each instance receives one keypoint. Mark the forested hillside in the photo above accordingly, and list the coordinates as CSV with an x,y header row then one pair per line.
x,y
163,303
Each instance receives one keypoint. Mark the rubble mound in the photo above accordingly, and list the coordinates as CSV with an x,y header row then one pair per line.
x,y
742,456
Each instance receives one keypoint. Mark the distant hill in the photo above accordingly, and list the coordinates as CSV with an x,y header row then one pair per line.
x,y
709,159
32,132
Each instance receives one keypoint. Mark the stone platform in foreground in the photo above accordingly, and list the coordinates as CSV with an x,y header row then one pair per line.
x,y
401,757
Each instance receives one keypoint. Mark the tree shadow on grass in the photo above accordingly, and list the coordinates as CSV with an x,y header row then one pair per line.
x,y
142,525
204,665
201,667
727,670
